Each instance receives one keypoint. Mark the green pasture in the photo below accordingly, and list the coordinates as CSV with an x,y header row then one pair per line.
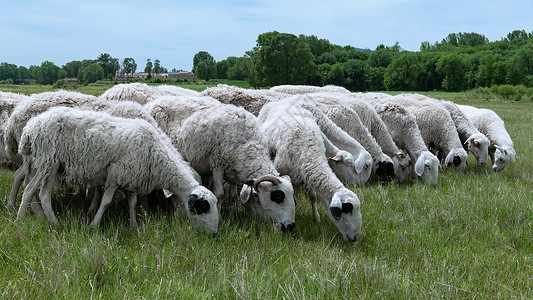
x,y
470,237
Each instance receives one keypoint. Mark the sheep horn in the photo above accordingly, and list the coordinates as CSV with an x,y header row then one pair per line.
x,y
271,178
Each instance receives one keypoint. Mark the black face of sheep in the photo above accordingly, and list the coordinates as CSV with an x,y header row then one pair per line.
x,y
385,171
456,160
337,212
198,205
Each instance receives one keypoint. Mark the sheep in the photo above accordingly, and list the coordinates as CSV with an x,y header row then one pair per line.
x,y
223,140
501,150
77,147
298,146
438,130
404,130
374,124
473,140
348,120
251,100
41,102
142,92
8,102
308,89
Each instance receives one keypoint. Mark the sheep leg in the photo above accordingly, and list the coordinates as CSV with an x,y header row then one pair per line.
x,y
46,196
29,193
106,200
96,194
316,215
35,205
20,173
218,182
132,202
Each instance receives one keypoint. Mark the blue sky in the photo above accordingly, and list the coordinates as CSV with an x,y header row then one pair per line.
x,y
173,31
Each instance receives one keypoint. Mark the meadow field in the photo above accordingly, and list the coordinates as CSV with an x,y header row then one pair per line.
x,y
471,236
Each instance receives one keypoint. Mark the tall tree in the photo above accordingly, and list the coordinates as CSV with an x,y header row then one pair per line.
x,y
148,68
8,71
282,58
109,64
72,68
129,65
47,73
453,68
157,66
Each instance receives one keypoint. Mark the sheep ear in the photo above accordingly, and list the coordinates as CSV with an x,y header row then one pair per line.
x,y
468,141
359,164
419,166
449,160
336,212
246,194
498,147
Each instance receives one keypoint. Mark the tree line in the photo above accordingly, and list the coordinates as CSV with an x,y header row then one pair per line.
x,y
85,71
461,61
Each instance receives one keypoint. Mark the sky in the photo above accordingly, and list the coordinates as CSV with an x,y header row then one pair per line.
x,y
60,31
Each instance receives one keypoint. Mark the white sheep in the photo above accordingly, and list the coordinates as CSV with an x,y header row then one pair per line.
x,y
8,102
223,140
249,99
404,130
473,140
438,130
142,92
307,89
298,146
39,103
76,147
371,120
501,150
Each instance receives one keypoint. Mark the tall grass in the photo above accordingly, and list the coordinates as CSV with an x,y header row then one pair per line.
x,y
471,236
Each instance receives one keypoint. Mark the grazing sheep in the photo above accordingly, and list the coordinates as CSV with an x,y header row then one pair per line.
x,y
251,100
404,130
223,140
298,146
8,102
501,150
373,123
308,89
39,103
348,120
142,92
438,130
77,147
473,140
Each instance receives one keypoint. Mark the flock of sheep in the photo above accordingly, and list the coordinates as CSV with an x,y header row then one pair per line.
x,y
139,138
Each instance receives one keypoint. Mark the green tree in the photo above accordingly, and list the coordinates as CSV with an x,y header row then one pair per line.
x,y
148,68
91,73
282,58
23,73
208,69
46,73
520,66
8,71
403,73
453,68
157,66
61,74
73,68
355,75
129,65
240,68
109,64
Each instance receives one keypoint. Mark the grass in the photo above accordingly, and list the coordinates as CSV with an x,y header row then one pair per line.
x,y
471,236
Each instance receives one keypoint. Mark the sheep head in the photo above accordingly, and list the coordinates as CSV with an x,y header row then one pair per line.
x,y
456,159
344,211
427,167
202,207
272,196
350,170
402,166
503,156
478,144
